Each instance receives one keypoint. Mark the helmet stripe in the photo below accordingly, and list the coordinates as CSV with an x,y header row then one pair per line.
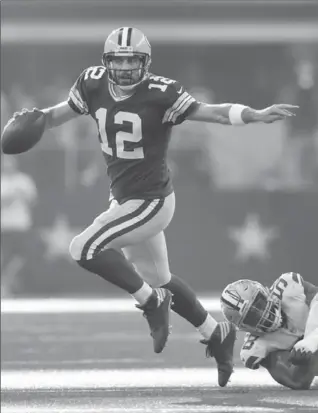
x,y
120,36
129,36
228,303
125,33
237,305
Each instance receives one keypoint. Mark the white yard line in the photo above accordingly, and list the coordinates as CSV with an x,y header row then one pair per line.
x,y
132,378
77,305
175,409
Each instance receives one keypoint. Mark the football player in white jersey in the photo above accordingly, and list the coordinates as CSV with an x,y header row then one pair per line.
x,y
281,324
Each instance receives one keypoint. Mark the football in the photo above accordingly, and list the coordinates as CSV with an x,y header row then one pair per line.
x,y
23,132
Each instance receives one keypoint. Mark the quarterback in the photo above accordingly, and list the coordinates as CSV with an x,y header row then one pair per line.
x,y
281,324
134,111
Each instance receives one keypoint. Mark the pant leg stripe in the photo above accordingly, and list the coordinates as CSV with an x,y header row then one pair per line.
x,y
152,211
113,224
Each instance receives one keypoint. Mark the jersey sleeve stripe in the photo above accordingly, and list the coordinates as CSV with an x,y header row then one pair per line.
x,y
73,106
78,101
174,106
183,108
172,114
178,106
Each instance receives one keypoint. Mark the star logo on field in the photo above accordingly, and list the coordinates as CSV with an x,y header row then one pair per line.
x,y
58,238
253,239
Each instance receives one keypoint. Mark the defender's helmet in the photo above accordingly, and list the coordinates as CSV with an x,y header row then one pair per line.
x,y
127,42
250,306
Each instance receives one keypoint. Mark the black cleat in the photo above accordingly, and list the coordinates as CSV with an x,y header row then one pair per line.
x,y
157,312
221,347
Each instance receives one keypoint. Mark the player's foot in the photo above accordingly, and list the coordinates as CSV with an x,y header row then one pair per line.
x,y
157,312
221,346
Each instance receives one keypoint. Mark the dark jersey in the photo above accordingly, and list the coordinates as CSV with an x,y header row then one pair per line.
x,y
134,132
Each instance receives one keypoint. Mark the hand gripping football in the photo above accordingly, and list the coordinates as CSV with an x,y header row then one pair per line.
x,y
23,131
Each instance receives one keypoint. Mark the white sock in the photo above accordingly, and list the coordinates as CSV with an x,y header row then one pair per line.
x,y
143,293
207,327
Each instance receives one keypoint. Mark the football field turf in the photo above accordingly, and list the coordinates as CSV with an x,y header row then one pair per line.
x,y
64,356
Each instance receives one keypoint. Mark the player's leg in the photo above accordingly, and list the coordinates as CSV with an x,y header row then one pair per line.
x,y
97,249
304,349
218,337
151,261
150,258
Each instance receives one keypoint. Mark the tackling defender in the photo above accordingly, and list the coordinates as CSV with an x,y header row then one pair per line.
x,y
134,112
284,317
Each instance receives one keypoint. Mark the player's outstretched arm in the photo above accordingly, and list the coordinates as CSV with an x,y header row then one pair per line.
x,y
59,114
26,128
236,114
54,116
307,348
284,372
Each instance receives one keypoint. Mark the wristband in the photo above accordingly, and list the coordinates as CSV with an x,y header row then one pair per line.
x,y
235,114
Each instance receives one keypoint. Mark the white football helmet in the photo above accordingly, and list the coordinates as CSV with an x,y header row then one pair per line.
x,y
127,42
250,306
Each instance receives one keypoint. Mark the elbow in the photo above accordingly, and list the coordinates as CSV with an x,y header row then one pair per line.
x,y
299,385
292,377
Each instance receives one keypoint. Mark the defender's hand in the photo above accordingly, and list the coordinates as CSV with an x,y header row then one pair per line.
x,y
303,352
273,113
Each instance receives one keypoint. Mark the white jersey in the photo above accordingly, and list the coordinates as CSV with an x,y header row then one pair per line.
x,y
289,288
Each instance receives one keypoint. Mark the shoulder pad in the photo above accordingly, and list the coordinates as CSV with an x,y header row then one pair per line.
x,y
162,86
91,75
288,284
85,85
175,100
292,277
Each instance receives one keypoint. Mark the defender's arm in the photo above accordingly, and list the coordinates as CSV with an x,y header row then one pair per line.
x,y
235,114
284,372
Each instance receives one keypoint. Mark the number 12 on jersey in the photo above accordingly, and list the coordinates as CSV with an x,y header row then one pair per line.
x,y
121,137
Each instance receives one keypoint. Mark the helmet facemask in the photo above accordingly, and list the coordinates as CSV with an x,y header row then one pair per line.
x,y
262,315
121,74
251,307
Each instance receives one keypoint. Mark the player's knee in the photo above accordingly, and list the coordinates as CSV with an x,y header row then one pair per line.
x,y
76,248
155,277
165,278
79,251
